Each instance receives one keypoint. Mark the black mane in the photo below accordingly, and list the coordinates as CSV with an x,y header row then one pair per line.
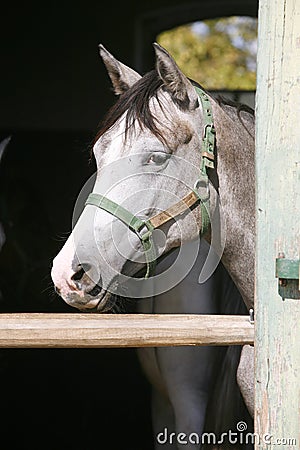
x,y
223,101
135,101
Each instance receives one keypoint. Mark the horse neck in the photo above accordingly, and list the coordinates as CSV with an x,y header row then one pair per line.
x,y
236,175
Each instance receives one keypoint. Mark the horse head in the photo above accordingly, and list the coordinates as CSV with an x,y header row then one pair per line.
x,y
148,159
157,186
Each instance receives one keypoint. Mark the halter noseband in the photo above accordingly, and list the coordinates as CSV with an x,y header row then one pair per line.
x,y
144,228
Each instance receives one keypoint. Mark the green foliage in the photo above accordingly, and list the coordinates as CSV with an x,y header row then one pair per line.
x,y
221,55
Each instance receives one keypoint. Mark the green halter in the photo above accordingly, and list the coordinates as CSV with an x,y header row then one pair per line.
x,y
144,228
207,155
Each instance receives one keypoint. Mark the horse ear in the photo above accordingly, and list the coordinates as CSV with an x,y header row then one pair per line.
x,y
176,83
122,77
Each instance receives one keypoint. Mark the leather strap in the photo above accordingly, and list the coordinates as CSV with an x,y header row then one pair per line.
x,y
175,210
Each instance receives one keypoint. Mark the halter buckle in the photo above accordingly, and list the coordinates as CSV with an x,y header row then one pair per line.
x,y
143,232
202,185
208,129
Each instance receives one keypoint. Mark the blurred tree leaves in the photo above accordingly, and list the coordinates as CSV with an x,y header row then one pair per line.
x,y
218,53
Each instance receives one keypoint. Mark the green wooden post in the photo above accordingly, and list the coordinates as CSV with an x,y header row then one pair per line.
x,y
277,342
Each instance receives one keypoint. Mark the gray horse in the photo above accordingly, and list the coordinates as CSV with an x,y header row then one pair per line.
x,y
148,157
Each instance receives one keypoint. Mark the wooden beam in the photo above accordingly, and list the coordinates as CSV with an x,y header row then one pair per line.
x,y
122,330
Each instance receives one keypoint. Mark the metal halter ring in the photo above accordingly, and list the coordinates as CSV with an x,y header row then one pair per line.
x,y
143,232
202,184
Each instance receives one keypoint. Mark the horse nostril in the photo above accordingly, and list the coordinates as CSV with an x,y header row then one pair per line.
x,y
82,279
95,291
78,275
82,269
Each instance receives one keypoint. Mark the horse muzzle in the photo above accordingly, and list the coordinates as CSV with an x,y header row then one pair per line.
x,y
78,287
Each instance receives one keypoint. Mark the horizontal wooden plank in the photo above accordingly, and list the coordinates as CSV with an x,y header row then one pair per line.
x,y
122,330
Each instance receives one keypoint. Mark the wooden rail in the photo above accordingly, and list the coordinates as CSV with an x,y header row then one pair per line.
x,y
122,330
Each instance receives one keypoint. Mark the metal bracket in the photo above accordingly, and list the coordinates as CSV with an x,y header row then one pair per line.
x,y
288,274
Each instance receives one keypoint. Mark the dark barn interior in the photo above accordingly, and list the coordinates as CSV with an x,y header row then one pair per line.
x,y
53,93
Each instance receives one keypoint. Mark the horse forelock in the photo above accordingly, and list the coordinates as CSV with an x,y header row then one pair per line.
x,y
135,103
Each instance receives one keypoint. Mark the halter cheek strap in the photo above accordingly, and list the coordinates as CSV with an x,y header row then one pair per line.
x,y
144,228
207,156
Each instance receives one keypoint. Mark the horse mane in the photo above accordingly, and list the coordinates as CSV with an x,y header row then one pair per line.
x,y
135,102
223,101
238,108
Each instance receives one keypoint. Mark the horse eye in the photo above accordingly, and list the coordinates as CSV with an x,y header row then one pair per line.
x,y
157,158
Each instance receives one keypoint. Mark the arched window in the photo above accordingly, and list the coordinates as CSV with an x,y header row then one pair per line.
x,y
219,53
